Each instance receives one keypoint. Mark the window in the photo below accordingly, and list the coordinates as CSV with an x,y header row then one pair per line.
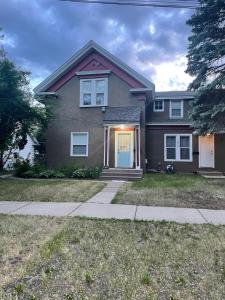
x,y
178,147
93,92
158,105
176,108
79,144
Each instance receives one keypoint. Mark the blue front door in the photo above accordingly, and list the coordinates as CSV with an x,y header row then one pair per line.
x,y
124,150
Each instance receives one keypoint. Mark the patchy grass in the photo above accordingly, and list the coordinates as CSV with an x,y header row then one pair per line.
x,y
174,190
153,260
48,190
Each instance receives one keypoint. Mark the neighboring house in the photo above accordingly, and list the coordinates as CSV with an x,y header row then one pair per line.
x,y
109,115
28,152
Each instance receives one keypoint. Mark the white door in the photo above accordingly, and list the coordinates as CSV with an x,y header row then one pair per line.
x,y
206,151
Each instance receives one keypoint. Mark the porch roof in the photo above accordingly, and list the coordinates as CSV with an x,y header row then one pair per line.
x,y
126,114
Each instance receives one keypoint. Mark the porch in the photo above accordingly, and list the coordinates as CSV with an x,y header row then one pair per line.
x,y
122,138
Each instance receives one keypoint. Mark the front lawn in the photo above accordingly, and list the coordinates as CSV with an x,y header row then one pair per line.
x,y
177,190
57,190
58,258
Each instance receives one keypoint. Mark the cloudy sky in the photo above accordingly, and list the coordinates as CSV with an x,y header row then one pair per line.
x,y
41,34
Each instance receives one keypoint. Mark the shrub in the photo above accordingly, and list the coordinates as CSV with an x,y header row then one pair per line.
x,y
80,173
58,174
68,170
21,166
47,174
93,172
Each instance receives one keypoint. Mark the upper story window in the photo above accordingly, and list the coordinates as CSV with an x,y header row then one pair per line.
x,y
158,105
94,92
176,109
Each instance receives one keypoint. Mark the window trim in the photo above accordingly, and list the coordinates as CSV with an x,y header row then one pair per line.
x,y
93,92
178,147
158,110
182,109
71,143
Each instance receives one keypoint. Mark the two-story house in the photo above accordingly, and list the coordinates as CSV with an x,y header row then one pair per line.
x,y
107,114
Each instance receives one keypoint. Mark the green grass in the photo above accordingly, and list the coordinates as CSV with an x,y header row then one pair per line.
x,y
177,190
152,260
56,190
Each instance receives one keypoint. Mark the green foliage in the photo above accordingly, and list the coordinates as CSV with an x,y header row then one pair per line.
x,y
19,288
79,173
21,167
206,55
24,169
68,170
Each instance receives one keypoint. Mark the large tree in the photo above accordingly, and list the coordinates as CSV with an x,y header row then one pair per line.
x,y
206,62
18,114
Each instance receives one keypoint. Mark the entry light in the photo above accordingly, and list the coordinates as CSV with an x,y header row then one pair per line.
x,y
122,127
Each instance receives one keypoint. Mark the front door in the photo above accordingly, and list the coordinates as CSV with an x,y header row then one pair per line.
x,y
124,150
206,151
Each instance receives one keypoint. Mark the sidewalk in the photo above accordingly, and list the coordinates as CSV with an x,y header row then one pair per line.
x,y
99,206
114,211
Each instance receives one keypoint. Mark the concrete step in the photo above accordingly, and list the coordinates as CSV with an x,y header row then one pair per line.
x,y
120,177
122,174
117,170
210,173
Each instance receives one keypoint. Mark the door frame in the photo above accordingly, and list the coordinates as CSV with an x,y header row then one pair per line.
x,y
199,147
131,150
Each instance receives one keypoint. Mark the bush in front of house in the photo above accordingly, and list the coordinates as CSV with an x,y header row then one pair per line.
x,y
24,169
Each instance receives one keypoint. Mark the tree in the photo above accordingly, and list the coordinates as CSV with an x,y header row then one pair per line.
x,y
206,62
18,115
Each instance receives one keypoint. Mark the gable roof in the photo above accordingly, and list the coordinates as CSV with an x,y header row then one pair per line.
x,y
90,46
175,94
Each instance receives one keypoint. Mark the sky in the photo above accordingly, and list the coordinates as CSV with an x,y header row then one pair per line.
x,y
40,35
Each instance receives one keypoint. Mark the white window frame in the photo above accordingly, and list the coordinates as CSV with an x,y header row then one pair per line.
x,y
93,92
182,109
158,110
178,147
71,144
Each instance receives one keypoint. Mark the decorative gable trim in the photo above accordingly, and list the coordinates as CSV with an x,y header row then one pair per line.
x,y
97,72
69,69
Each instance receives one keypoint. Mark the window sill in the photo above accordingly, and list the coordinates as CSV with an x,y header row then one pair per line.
x,y
72,155
176,160
87,106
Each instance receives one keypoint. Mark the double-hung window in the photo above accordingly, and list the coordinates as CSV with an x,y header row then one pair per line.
x,y
158,105
93,92
79,144
176,109
178,147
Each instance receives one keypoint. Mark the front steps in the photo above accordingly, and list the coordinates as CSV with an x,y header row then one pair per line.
x,y
210,173
121,174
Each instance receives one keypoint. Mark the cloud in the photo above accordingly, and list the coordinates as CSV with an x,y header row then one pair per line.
x,y
41,35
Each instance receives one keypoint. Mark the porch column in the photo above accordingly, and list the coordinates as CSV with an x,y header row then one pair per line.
x,y
106,146
138,147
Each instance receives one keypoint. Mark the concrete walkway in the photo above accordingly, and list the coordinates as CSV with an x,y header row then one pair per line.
x,y
108,193
114,211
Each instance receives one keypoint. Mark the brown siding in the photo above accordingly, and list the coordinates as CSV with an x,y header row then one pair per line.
x,y
155,148
165,115
69,117
219,140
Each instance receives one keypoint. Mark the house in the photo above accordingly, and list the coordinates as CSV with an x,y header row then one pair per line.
x,y
28,152
109,115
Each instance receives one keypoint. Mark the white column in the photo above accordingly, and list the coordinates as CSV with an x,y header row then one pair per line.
x,y
105,133
108,145
135,146
139,147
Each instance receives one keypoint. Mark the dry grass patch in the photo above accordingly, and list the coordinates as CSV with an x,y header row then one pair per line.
x,y
48,190
82,259
174,190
